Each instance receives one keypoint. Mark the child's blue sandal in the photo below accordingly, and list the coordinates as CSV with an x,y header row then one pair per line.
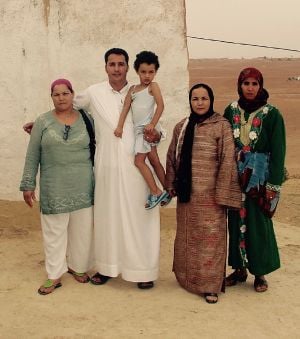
x,y
154,200
166,200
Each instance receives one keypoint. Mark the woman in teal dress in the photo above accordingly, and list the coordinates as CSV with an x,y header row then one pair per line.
x,y
259,135
59,149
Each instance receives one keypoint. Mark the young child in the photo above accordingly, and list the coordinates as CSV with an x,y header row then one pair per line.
x,y
142,99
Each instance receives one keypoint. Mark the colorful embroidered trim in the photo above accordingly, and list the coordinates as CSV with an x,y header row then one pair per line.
x,y
256,125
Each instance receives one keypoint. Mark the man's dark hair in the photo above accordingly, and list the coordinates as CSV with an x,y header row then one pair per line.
x,y
146,57
118,51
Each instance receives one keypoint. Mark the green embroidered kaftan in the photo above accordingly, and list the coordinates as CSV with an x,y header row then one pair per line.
x,y
261,246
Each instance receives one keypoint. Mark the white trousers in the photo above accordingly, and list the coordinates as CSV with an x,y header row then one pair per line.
x,y
67,241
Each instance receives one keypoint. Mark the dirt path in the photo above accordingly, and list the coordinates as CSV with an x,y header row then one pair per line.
x,y
120,310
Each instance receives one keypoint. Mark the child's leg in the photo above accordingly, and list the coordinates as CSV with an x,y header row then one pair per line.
x,y
157,166
139,162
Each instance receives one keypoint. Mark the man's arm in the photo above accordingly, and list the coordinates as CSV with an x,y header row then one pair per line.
x,y
28,127
82,100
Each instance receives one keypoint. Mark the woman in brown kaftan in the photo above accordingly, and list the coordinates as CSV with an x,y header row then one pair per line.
x,y
201,171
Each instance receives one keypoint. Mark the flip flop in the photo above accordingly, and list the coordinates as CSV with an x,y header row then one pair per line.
x,y
99,279
77,276
49,284
260,284
211,295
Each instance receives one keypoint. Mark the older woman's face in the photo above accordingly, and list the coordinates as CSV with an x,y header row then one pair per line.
x,y
200,100
62,97
250,88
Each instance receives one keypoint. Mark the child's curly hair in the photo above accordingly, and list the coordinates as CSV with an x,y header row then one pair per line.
x,y
146,57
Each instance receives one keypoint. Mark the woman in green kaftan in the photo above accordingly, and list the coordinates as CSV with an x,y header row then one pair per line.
x,y
259,134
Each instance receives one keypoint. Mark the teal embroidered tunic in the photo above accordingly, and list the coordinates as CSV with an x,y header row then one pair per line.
x,y
261,246
66,172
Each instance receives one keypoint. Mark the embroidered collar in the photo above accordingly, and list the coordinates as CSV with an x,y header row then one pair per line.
x,y
255,129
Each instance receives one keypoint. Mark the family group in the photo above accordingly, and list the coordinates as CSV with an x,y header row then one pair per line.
x,y
102,182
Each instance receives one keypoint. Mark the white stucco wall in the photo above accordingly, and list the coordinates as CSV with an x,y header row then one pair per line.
x,y
42,40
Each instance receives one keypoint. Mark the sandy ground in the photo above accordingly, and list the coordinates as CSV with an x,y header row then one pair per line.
x,y
120,310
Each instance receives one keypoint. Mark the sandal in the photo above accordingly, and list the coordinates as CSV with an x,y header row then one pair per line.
x,y
239,275
260,284
49,286
145,285
211,298
154,200
80,277
166,200
99,279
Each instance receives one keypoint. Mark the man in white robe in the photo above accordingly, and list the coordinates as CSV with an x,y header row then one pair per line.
x,y
126,236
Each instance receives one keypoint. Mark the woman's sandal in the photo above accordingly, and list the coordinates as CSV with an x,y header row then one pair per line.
x,y
211,298
239,275
154,200
145,285
99,279
49,286
80,277
260,284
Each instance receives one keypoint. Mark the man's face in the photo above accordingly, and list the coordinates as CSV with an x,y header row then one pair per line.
x,y
116,68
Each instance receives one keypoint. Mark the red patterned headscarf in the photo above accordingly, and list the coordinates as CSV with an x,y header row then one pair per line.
x,y
262,95
251,72
62,82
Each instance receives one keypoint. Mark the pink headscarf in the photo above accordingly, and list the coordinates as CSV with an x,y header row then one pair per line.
x,y
62,82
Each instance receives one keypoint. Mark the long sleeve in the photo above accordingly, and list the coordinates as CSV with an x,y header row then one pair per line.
x,y
228,191
33,157
171,161
228,114
278,149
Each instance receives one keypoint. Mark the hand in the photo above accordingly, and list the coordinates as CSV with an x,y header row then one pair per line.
x,y
29,197
28,127
172,192
270,194
152,137
118,132
149,128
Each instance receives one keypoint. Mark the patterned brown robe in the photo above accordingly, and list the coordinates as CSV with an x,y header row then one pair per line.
x,y
200,244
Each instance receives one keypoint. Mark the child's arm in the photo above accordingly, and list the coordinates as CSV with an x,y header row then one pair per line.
x,y
126,107
155,91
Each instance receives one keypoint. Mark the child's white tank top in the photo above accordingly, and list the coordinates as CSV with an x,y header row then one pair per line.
x,y
142,107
